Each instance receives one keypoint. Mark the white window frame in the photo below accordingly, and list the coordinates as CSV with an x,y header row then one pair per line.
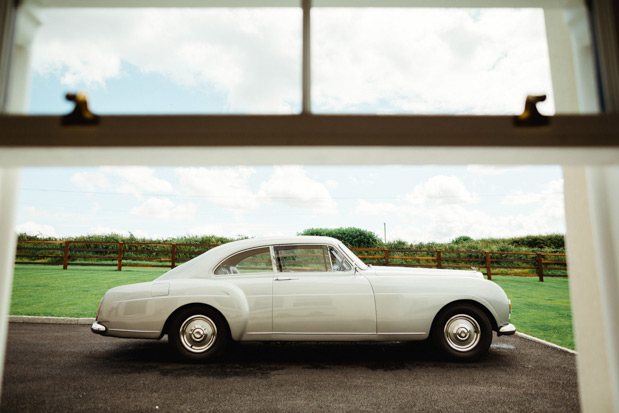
x,y
587,146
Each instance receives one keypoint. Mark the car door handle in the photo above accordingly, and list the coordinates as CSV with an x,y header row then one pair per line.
x,y
285,279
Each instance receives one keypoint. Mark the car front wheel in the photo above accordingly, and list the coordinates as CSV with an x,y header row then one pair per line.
x,y
462,333
198,334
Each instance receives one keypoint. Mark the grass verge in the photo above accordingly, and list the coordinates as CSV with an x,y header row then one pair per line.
x,y
542,310
75,292
539,309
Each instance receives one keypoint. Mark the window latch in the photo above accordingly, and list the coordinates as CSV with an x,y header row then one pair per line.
x,y
81,115
531,116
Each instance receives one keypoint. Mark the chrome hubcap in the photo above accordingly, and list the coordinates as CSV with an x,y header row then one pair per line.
x,y
198,333
462,332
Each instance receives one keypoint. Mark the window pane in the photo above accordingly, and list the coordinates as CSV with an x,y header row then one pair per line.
x,y
428,61
258,260
169,60
303,258
338,262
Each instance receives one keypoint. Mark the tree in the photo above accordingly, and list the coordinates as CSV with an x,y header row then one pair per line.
x,y
351,236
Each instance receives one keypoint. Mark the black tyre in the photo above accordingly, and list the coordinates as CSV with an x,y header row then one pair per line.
x,y
198,334
461,332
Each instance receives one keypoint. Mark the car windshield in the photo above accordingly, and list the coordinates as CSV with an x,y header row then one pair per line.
x,y
351,255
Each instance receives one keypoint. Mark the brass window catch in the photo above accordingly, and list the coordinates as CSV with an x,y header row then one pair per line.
x,y
81,115
531,116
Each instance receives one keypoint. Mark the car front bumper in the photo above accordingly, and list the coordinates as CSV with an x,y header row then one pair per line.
x,y
98,328
507,330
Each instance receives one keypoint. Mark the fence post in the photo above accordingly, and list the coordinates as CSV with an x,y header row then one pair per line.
x,y
439,259
173,255
386,257
121,250
65,258
488,266
540,267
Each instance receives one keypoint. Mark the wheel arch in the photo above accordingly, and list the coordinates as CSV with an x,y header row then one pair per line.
x,y
473,303
197,306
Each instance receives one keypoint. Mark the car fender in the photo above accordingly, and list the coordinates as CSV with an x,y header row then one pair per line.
x,y
227,298
410,304
151,304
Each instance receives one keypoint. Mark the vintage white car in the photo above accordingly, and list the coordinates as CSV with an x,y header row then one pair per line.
x,y
305,289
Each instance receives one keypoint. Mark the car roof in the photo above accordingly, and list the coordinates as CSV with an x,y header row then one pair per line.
x,y
280,240
205,263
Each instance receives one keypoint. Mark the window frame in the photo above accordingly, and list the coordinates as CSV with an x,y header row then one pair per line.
x,y
220,263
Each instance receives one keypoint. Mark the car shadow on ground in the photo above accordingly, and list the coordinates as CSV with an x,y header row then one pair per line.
x,y
260,359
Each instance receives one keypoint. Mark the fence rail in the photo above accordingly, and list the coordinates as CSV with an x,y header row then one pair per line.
x,y
170,255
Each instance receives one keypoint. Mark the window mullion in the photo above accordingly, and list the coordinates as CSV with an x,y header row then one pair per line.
x,y
306,59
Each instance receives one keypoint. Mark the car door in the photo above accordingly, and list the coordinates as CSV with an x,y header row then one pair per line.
x,y
313,299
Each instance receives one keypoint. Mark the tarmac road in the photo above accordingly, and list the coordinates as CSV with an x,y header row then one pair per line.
x,y
64,368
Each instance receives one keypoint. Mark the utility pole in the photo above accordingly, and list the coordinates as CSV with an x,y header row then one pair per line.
x,y
385,228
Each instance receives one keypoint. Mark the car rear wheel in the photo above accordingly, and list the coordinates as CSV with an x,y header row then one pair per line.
x,y
198,334
462,332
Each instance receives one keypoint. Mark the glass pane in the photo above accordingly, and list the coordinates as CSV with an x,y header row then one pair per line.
x,y
146,61
428,61
338,262
303,258
258,260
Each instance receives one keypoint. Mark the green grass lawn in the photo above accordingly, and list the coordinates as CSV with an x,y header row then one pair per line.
x,y
75,292
539,309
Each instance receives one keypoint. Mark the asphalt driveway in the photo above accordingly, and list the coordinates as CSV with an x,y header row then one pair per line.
x,y
67,368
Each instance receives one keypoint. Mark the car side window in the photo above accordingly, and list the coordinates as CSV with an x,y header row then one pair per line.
x,y
338,262
252,261
302,258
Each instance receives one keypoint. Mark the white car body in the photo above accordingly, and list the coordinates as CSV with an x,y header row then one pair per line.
x,y
348,302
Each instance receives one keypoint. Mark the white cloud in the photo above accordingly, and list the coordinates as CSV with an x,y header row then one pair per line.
x,y
443,220
34,229
139,179
225,187
91,181
290,185
550,195
487,170
441,190
135,180
164,209
369,60
428,60
103,230
252,57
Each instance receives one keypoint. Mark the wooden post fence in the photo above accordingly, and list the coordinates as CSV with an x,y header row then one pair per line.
x,y
540,268
171,255
488,266
121,251
65,258
173,258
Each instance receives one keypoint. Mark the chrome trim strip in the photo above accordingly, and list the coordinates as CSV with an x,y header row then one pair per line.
x,y
133,331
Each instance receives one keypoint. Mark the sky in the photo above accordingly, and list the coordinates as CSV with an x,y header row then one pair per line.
x,y
392,61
